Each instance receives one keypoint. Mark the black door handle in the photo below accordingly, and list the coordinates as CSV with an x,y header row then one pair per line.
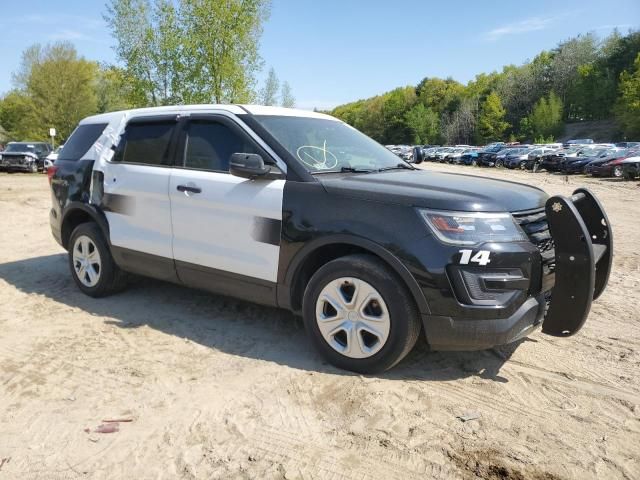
x,y
190,189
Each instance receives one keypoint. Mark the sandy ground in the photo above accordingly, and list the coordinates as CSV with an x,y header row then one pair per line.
x,y
219,388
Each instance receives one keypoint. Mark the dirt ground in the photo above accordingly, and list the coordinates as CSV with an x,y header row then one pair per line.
x,y
219,388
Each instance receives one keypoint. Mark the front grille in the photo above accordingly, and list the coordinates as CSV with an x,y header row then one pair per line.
x,y
534,223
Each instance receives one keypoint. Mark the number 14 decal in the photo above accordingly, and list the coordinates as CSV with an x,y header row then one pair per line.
x,y
481,258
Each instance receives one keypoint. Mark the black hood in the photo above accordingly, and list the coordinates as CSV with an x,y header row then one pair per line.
x,y
436,190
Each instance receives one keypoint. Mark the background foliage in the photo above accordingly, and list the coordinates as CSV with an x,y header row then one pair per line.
x,y
583,78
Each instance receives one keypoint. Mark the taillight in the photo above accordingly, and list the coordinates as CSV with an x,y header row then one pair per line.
x,y
51,171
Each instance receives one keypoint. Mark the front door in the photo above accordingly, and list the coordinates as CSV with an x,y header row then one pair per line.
x,y
226,229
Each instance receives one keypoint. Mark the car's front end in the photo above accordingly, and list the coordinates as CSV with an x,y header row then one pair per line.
x,y
491,267
19,161
518,160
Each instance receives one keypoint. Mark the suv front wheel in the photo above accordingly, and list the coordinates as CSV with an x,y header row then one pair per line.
x,y
91,263
359,314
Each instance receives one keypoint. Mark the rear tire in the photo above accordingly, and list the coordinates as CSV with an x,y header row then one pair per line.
x,y
359,314
91,264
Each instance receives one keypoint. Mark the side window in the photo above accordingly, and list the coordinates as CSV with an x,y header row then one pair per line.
x,y
82,138
209,145
146,143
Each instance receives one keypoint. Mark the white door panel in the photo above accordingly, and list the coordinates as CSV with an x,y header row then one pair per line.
x,y
138,207
223,226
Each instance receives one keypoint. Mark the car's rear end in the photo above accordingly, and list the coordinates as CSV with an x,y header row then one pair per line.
x,y
70,175
631,168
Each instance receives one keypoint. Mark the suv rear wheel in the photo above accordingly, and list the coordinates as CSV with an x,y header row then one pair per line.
x,y
91,263
359,314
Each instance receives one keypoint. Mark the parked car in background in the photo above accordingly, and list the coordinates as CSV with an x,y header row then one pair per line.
x,y
487,156
628,144
470,156
552,161
631,167
454,155
517,158
612,166
579,141
52,157
502,155
441,153
577,164
24,156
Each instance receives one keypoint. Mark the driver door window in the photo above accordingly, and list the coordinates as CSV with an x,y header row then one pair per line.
x,y
209,146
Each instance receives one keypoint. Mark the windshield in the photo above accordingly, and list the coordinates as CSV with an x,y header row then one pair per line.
x,y
20,147
327,145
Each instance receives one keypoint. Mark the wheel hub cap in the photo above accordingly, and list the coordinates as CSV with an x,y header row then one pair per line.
x,y
86,261
353,317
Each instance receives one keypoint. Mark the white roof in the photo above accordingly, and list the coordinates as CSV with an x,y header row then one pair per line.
x,y
177,109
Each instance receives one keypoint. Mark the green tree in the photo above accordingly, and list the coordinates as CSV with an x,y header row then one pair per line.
x,y
61,86
628,105
424,123
221,44
269,93
545,121
286,96
113,91
19,118
55,88
191,51
491,125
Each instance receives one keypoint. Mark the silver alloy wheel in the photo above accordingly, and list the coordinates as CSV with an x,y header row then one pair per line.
x,y
86,261
353,317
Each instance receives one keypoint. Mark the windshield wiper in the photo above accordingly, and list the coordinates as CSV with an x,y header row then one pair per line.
x,y
346,170
399,166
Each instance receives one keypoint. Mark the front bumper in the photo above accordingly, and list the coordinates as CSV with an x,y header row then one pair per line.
x,y
582,239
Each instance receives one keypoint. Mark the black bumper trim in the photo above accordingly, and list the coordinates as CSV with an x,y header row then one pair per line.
x,y
447,333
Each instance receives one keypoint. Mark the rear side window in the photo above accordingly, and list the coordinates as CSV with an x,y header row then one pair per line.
x,y
146,143
81,140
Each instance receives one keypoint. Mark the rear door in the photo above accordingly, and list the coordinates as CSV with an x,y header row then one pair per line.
x,y
223,226
136,189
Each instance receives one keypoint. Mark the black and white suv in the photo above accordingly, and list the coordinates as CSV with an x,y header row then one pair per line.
x,y
299,210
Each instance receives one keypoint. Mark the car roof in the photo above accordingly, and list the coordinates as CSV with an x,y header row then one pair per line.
x,y
204,108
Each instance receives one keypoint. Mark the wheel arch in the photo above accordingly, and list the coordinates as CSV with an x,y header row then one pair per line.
x,y
318,252
77,213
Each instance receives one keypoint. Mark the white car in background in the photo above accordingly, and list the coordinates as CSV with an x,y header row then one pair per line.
x,y
52,157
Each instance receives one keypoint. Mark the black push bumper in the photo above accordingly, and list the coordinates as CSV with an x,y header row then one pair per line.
x,y
584,253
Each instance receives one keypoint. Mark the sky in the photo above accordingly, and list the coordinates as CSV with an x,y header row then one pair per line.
x,y
335,51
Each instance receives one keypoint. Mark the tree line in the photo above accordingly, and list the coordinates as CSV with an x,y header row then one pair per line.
x,y
583,78
168,52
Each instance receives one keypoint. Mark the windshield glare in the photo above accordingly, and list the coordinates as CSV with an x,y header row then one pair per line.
x,y
323,145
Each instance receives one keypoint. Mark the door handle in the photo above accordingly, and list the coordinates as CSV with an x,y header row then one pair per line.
x,y
189,188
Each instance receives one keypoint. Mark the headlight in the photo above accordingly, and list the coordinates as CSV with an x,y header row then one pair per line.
x,y
470,228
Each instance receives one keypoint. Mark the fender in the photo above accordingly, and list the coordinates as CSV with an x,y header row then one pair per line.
x,y
285,291
94,213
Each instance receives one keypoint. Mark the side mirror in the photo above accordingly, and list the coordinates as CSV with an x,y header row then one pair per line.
x,y
418,155
247,165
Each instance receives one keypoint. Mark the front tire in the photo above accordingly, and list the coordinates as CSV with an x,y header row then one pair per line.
x,y
360,315
91,264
